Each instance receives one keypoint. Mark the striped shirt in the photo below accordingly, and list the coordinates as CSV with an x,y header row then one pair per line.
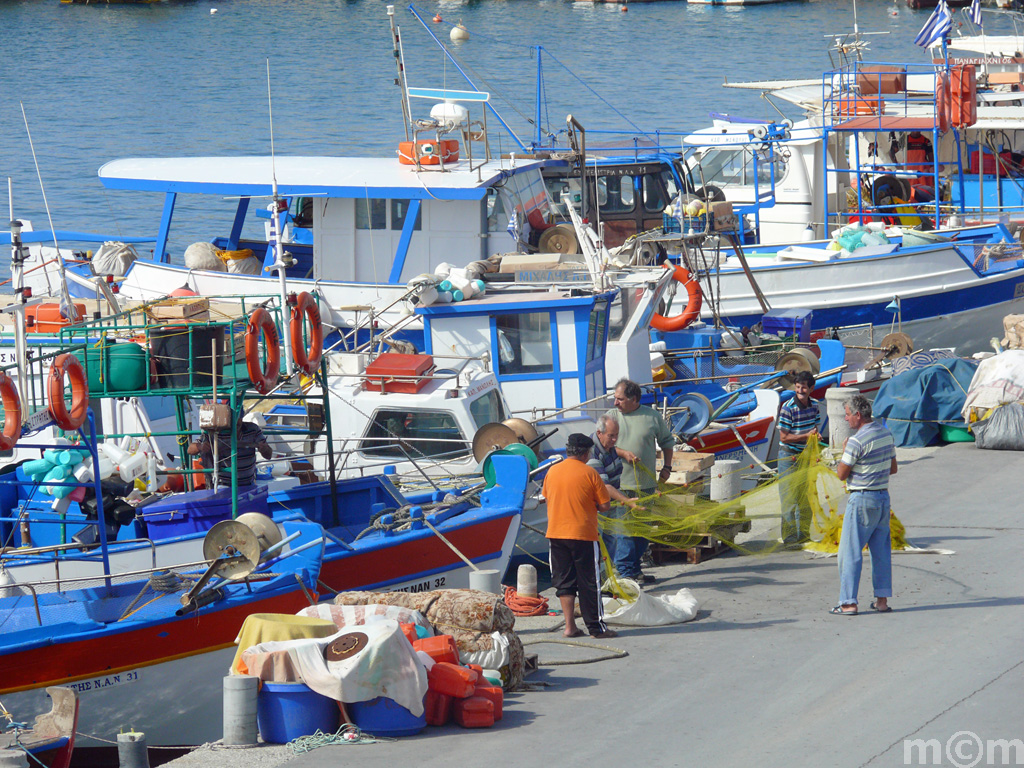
x,y
607,463
793,418
869,454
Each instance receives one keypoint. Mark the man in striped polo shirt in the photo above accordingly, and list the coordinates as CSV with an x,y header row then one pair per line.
x,y
605,459
869,458
798,423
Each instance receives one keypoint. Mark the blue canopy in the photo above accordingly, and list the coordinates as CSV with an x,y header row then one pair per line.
x,y
914,403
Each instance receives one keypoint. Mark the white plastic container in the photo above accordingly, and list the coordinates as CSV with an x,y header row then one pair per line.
x,y
132,467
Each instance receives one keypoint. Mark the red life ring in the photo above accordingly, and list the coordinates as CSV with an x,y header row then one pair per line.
x,y
12,412
307,360
263,377
694,300
67,365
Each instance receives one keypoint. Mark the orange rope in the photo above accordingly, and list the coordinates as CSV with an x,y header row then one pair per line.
x,y
525,606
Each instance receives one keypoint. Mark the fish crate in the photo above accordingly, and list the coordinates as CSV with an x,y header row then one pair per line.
x,y
670,224
703,223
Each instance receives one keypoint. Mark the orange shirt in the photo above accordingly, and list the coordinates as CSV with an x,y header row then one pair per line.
x,y
573,491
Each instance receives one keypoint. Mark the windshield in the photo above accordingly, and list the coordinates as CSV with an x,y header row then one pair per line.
x,y
734,166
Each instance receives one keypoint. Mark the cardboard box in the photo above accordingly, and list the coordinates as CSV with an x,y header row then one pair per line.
x,y
881,79
190,309
687,461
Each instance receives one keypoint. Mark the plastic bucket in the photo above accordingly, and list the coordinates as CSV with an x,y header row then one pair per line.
x,y
286,711
385,717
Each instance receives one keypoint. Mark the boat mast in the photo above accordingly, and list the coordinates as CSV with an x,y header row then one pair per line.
x,y
400,81
275,229
540,88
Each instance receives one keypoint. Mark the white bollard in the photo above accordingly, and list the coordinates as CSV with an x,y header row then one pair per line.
x,y
13,758
485,580
131,750
726,480
836,399
526,580
240,696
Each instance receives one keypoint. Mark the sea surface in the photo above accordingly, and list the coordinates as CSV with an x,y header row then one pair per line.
x,y
99,82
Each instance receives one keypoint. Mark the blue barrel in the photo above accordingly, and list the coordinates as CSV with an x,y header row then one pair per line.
x,y
286,711
385,717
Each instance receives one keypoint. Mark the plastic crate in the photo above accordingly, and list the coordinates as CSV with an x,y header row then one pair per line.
x,y
669,223
702,223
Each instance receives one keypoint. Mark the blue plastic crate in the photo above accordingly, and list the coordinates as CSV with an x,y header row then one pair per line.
x,y
669,223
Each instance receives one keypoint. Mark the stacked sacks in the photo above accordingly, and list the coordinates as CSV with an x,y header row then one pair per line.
x,y
479,622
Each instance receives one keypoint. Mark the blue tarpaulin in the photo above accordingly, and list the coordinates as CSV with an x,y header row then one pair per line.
x,y
914,403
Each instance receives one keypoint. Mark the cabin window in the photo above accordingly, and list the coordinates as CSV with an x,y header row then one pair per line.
x,y
615,194
527,343
497,213
302,212
397,433
371,214
655,198
399,210
595,333
736,167
623,307
487,409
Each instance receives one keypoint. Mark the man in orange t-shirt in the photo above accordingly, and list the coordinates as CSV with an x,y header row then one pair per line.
x,y
575,494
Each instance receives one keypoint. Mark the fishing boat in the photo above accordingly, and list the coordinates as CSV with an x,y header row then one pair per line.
x,y
50,741
133,599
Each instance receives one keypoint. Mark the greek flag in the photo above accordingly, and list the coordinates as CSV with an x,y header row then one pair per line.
x,y
937,26
975,12
513,226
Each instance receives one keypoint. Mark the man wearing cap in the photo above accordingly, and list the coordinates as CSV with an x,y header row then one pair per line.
x,y
575,494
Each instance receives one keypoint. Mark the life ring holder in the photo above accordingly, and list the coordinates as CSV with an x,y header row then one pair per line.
x,y
67,366
695,298
306,359
12,412
263,376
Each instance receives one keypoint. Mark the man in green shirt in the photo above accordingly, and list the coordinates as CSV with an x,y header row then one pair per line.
x,y
642,432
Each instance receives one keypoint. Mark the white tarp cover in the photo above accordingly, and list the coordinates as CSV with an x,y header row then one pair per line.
x,y
998,381
386,666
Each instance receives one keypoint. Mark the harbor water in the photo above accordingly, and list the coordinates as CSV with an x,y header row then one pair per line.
x,y
100,82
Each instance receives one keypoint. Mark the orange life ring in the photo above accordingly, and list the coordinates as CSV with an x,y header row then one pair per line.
x,y
694,300
68,366
263,377
306,359
12,412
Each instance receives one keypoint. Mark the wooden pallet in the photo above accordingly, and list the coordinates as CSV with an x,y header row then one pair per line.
x,y
710,546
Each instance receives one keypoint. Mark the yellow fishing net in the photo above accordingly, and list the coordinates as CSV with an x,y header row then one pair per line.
x,y
678,518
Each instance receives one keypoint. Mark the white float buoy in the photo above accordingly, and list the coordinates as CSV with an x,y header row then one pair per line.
x,y
213,11
459,32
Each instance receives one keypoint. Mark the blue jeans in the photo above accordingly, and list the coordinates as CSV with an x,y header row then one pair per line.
x,y
796,512
629,550
866,522
611,540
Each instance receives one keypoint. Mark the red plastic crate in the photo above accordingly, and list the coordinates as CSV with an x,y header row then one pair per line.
x,y
393,372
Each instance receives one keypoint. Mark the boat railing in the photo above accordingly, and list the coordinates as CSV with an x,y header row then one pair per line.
x,y
31,555
106,580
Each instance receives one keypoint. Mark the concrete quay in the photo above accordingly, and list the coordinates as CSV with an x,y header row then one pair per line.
x,y
765,676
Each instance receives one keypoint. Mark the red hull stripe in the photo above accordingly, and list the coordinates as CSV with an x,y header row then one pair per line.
x,y
724,440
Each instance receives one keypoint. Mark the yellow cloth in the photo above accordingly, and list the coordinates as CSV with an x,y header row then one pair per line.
x,y
271,627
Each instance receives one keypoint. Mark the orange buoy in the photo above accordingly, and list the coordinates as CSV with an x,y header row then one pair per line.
x,y
68,366
12,412
265,376
694,299
307,359
437,18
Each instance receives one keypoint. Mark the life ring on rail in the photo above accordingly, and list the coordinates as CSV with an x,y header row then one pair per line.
x,y
67,366
306,359
12,413
694,300
263,377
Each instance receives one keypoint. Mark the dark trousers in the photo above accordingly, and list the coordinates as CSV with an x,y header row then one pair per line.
x,y
574,569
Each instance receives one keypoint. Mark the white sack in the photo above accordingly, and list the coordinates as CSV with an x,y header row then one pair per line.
x,y
649,610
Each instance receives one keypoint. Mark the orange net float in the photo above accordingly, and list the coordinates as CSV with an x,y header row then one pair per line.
x,y
263,375
65,368
12,412
306,359
695,297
